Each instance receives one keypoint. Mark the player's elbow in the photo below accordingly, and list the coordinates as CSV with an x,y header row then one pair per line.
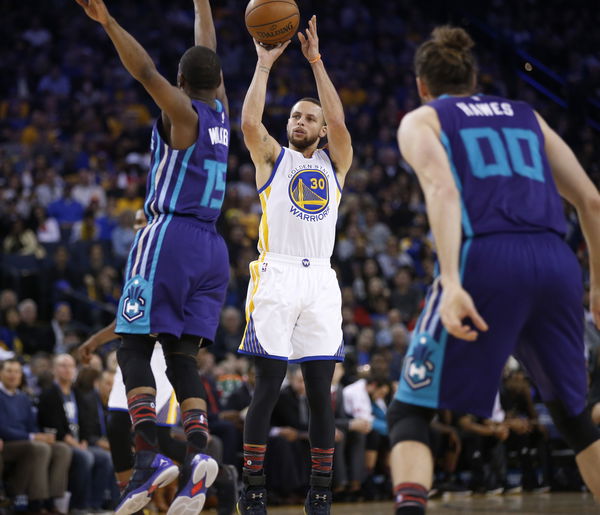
x,y
250,124
444,191
590,204
145,73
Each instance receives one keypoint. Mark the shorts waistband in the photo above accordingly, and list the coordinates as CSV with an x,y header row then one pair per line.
x,y
296,260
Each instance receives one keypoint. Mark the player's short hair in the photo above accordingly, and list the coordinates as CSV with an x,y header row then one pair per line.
x,y
201,68
445,61
315,101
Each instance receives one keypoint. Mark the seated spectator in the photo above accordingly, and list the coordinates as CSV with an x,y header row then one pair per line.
x,y
9,321
66,210
47,229
22,241
527,441
39,464
62,409
485,451
229,333
87,229
122,236
34,335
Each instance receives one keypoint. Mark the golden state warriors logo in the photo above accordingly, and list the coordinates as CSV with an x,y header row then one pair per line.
x,y
309,191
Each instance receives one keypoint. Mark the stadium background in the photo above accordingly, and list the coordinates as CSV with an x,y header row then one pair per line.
x,y
75,131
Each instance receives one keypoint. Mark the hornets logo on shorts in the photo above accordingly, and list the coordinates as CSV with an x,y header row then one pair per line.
x,y
309,191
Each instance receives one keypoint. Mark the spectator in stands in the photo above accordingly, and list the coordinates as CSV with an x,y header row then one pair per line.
x,y
122,236
39,464
22,241
60,322
229,334
66,210
46,228
60,408
9,321
35,336
86,191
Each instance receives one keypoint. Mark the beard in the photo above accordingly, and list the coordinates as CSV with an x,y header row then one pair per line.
x,y
302,142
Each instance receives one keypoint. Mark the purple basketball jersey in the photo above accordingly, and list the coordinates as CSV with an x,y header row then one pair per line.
x,y
496,150
190,182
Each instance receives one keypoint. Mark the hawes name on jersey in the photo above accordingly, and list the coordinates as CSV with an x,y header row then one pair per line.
x,y
486,108
219,135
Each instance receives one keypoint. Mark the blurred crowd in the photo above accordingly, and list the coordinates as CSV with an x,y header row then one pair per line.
x,y
74,150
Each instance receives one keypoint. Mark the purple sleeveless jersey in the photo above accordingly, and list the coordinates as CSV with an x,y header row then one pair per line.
x,y
523,278
178,268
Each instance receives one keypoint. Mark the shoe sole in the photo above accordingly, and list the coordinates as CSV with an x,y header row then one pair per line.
x,y
137,501
206,471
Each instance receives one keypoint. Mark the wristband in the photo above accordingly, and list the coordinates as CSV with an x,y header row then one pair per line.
x,y
315,59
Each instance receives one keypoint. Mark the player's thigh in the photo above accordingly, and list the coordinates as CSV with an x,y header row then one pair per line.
x,y
318,330
552,348
441,371
272,310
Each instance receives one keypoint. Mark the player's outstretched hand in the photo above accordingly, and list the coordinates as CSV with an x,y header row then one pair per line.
x,y
267,55
310,42
86,350
456,305
595,304
95,9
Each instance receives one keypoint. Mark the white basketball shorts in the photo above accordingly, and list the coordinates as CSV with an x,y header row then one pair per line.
x,y
293,310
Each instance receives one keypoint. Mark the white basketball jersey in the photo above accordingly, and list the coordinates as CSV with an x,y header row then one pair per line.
x,y
300,206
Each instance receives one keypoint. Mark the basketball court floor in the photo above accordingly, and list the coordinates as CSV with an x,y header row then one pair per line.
x,y
556,503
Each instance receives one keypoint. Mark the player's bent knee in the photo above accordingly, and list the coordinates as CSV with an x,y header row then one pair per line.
x,y
408,422
578,431
134,356
180,357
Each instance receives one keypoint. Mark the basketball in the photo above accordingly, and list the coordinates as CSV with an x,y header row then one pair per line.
x,y
272,21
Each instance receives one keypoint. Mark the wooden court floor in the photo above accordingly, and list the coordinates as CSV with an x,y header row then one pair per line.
x,y
556,503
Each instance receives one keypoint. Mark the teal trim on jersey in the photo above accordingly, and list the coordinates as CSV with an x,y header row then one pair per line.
x,y
144,326
421,376
132,251
219,105
157,157
466,222
182,171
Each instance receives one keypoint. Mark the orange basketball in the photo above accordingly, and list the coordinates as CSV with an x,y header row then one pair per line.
x,y
272,21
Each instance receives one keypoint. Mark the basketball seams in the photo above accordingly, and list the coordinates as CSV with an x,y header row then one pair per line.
x,y
289,2
273,22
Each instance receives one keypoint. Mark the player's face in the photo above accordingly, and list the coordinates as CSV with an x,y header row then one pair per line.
x,y
306,125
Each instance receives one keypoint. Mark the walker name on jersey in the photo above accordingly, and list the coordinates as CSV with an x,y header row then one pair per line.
x,y
219,135
486,109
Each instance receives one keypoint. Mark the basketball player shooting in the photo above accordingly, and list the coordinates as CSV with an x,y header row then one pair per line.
x,y
293,307
168,293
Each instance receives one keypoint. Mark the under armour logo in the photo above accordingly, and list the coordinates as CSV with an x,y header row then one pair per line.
x,y
321,497
257,496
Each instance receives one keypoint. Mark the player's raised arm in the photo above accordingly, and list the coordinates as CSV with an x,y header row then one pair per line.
x,y
575,186
418,137
263,148
205,35
173,101
340,144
